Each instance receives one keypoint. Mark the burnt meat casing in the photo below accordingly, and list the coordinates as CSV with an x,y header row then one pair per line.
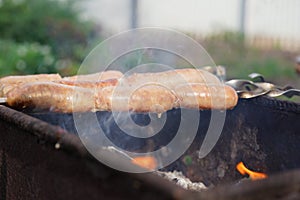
x,y
51,97
9,82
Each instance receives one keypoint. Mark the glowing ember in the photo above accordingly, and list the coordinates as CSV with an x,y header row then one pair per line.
x,y
253,175
147,162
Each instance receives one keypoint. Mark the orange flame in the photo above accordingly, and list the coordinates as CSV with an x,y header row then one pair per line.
x,y
147,162
253,175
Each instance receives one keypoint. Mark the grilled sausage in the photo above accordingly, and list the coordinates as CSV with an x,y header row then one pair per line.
x,y
9,82
51,97
100,76
64,98
90,84
202,96
158,99
149,92
150,98
30,78
5,88
170,79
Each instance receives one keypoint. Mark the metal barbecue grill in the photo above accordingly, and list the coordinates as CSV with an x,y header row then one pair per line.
x,y
42,158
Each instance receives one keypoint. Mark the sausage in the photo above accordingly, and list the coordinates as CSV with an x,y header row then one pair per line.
x,y
149,98
51,97
203,96
100,76
158,99
9,82
149,92
90,84
170,79
57,97
5,88
29,78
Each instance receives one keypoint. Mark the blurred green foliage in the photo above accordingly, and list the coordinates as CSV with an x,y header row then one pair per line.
x,y
47,36
20,58
50,32
231,50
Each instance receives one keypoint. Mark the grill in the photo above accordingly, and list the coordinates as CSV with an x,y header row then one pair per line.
x,y
42,157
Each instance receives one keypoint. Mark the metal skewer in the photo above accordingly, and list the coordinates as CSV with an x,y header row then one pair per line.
x,y
3,100
248,89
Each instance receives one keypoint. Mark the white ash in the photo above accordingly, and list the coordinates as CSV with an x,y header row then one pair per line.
x,y
178,178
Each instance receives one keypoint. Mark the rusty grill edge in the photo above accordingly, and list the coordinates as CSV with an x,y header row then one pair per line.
x,y
31,168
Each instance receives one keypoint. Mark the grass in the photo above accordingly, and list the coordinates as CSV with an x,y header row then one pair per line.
x,y
230,50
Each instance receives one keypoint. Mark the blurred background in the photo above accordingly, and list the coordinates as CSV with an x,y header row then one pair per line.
x,y
245,36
